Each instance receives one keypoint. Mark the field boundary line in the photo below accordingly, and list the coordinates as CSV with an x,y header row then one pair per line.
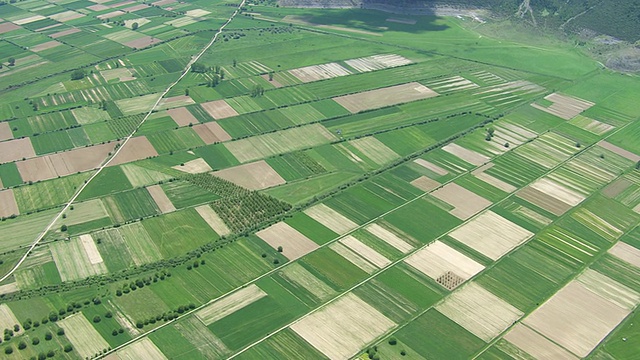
x,y
106,163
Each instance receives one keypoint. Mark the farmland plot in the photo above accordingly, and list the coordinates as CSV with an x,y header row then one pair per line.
x,y
491,235
8,205
5,131
353,257
140,245
467,155
140,176
182,116
202,338
195,166
136,148
340,329
82,335
626,252
393,95
479,311
536,345
137,105
161,199
620,151
330,218
375,150
77,258
548,150
447,266
7,318
266,145
577,318
365,251
211,132
425,184
17,149
319,72
564,106
558,191
377,62
491,180
230,304
143,349
591,125
213,220
300,276
294,244
431,166
390,238
454,83
219,109
254,176
466,203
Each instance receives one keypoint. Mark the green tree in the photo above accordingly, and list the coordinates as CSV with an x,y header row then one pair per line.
x,y
77,74
68,348
198,68
134,26
12,61
22,345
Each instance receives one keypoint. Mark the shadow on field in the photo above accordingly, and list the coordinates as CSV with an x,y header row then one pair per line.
x,y
374,21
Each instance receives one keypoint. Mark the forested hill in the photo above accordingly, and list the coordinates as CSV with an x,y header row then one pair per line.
x,y
618,18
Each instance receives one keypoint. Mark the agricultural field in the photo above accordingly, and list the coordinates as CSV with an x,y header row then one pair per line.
x,y
251,180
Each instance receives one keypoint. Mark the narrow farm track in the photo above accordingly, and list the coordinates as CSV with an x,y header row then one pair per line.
x,y
122,145
393,330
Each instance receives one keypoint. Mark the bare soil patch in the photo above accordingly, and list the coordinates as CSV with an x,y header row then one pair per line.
x,y
230,304
64,33
219,109
439,259
143,349
564,106
17,149
544,201
211,132
342,328
182,116
375,150
390,238
9,288
467,155
137,148
110,15
331,219
254,176
196,166
576,318
431,166
5,131
136,8
90,249
465,202
97,7
497,183
626,252
142,42
294,244
491,235
620,151
479,311
161,199
45,46
8,205
377,62
214,221
66,16
536,345
616,188
6,27
388,96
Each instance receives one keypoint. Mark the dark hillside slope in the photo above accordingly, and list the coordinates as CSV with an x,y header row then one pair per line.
x,y
617,18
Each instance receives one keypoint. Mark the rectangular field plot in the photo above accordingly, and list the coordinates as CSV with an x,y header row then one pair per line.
x,y
365,251
319,72
558,191
77,259
340,329
467,155
536,345
161,199
213,220
7,318
302,278
491,235
445,265
377,62
479,311
266,145
388,96
375,150
253,176
230,304
465,203
201,338
82,335
578,318
564,106
390,238
285,344
143,349
330,218
8,205
293,243
548,150
627,253
219,109
17,149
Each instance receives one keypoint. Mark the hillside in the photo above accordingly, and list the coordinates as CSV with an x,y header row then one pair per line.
x,y
614,18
